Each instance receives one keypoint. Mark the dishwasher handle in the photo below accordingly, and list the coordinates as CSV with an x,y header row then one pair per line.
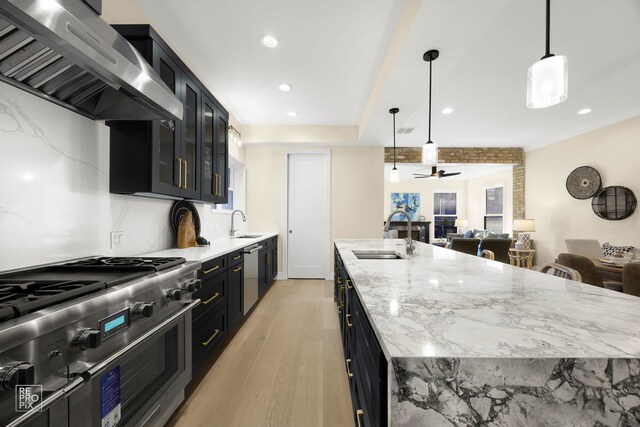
x,y
252,249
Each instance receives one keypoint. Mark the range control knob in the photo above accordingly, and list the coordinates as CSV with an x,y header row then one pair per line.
x,y
16,373
193,286
174,294
142,309
85,339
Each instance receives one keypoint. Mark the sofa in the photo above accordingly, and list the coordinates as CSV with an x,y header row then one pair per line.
x,y
477,234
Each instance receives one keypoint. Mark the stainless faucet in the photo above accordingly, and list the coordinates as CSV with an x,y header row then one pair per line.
x,y
409,240
244,218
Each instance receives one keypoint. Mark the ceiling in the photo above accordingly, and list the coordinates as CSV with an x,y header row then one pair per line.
x,y
467,170
349,62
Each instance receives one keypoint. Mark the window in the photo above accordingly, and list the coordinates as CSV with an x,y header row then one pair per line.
x,y
236,190
445,211
494,209
229,205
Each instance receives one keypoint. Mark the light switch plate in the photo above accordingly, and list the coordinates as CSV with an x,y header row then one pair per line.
x,y
117,239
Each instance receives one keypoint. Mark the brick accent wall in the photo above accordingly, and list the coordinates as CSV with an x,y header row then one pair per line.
x,y
511,155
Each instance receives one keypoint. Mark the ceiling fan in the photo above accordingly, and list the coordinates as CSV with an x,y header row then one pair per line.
x,y
435,173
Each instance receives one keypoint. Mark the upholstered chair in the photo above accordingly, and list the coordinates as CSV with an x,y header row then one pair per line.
x,y
559,270
587,270
468,246
500,248
631,279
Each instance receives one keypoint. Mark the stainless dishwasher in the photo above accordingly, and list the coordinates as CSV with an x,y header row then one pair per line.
x,y
250,276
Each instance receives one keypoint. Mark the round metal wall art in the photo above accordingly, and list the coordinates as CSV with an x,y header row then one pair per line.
x,y
584,182
614,203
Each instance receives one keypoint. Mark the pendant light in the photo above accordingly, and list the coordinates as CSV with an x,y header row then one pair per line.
x,y
430,149
395,174
547,79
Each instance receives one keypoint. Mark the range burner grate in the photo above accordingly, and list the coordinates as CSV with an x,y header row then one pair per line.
x,y
20,297
155,264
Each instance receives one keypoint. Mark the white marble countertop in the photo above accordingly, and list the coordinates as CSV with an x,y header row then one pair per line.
x,y
442,303
218,247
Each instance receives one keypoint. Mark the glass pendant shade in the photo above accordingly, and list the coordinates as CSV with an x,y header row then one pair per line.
x,y
547,82
430,154
394,176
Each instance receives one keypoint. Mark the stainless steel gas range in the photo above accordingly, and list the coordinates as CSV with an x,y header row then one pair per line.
x,y
96,342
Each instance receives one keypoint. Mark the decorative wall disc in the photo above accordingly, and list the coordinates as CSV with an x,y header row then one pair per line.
x,y
614,203
584,182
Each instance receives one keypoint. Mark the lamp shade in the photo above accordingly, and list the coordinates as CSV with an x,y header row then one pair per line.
x,y
430,154
547,82
461,223
524,225
394,176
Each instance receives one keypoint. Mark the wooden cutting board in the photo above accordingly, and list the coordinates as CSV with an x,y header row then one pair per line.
x,y
186,231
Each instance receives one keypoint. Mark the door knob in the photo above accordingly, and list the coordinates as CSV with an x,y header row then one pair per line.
x,y
290,231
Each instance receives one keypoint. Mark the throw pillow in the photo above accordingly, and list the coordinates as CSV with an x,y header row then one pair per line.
x,y
608,250
468,234
481,234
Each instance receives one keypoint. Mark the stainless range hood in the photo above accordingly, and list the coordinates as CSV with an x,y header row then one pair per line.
x,y
61,50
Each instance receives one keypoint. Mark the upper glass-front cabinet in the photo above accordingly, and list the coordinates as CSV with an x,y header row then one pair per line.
x,y
221,156
209,178
190,155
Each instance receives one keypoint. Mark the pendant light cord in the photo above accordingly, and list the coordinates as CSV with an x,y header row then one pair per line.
x,y
548,33
394,140
430,74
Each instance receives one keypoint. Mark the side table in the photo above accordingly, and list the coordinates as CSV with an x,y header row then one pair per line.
x,y
521,257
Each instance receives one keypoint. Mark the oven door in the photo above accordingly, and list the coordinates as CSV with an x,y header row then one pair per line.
x,y
140,385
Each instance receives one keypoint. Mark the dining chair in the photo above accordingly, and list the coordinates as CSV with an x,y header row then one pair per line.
x,y
467,246
486,253
631,279
588,271
562,271
589,248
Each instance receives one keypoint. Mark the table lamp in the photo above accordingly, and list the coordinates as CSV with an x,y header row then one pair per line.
x,y
461,223
523,227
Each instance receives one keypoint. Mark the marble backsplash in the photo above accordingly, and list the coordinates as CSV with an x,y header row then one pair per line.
x,y
54,190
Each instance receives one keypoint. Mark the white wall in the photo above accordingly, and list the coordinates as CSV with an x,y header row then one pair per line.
x,y
615,152
356,191
54,190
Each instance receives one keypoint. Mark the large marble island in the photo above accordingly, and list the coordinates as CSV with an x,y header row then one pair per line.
x,y
469,341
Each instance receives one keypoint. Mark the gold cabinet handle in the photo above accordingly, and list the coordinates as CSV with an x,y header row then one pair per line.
x,y
207,342
349,284
348,316
339,309
349,368
179,172
185,174
359,413
342,296
235,258
211,269
339,281
216,295
237,269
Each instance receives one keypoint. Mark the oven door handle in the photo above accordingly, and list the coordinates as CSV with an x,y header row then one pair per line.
x,y
64,391
87,375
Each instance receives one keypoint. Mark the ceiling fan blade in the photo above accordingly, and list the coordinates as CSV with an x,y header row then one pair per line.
x,y
449,174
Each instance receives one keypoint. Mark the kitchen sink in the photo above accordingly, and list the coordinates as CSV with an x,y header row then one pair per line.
x,y
249,236
377,255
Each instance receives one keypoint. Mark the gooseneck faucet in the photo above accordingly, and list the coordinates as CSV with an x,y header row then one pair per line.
x,y
232,232
409,240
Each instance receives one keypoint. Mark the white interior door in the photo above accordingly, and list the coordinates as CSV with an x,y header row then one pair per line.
x,y
308,216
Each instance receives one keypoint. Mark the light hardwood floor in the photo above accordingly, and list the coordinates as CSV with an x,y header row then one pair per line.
x,y
284,367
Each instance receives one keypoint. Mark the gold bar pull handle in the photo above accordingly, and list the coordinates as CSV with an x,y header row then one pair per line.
x,y
216,295
235,258
359,413
349,284
349,324
215,334
179,172
235,270
185,174
211,269
349,368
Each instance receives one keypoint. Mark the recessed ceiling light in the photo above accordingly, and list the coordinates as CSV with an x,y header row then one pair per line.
x,y
284,87
269,41
585,111
447,110
292,114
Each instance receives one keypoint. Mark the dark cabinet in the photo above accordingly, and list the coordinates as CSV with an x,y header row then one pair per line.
x,y
235,295
262,272
180,159
267,264
365,362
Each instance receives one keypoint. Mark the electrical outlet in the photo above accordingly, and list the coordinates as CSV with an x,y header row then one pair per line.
x,y
117,239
